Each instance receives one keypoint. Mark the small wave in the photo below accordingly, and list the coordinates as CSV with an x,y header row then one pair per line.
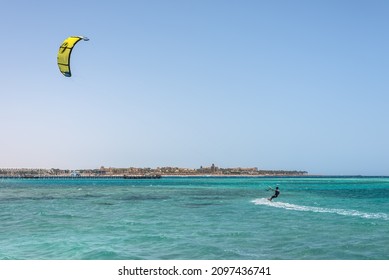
x,y
344,212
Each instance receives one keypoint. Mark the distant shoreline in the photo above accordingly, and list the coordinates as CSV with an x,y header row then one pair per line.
x,y
212,170
214,176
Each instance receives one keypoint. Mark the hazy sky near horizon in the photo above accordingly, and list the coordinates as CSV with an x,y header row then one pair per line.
x,y
294,85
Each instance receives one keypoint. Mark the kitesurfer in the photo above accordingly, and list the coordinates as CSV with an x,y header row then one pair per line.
x,y
276,193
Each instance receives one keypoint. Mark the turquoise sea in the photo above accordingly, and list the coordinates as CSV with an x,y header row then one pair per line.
x,y
194,218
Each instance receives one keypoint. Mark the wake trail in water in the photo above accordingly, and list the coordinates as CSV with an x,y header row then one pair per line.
x,y
344,212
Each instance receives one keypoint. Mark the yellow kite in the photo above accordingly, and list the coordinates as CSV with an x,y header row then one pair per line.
x,y
64,52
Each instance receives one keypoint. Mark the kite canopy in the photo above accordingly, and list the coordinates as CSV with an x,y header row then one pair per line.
x,y
64,52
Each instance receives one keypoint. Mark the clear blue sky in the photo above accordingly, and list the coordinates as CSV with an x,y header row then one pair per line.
x,y
294,85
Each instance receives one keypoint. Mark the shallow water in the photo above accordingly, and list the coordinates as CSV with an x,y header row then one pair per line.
x,y
194,218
